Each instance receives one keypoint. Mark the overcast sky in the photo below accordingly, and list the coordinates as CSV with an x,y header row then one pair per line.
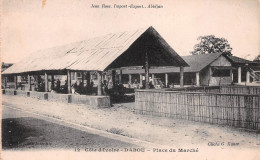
x,y
31,25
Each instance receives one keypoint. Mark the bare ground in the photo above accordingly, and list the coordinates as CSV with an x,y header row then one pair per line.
x,y
121,119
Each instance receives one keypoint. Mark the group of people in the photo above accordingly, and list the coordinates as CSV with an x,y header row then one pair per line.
x,y
79,88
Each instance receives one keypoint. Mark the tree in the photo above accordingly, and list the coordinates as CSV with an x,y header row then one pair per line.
x,y
211,44
257,58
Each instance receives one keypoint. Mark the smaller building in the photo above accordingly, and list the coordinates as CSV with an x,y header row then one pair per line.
x,y
206,70
209,69
245,71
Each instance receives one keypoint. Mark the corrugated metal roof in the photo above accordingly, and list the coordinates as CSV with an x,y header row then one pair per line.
x,y
196,64
235,59
92,54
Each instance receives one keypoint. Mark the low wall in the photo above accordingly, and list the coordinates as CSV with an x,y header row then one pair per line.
x,y
9,92
23,93
65,98
98,101
39,95
237,110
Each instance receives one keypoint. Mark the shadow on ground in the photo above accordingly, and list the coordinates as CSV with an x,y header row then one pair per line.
x,y
31,133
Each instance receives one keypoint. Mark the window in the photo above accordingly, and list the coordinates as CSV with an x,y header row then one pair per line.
x,y
220,72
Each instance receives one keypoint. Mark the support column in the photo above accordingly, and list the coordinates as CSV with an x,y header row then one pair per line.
x,y
15,81
153,76
231,75
166,80
247,77
45,81
36,82
120,76
113,78
239,74
5,81
130,79
99,78
141,79
52,81
88,78
69,81
75,76
29,82
90,75
146,70
82,80
181,76
103,77
198,79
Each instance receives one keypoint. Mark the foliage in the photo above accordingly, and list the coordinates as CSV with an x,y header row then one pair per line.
x,y
211,44
257,58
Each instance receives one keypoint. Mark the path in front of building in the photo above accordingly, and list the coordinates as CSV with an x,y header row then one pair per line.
x,y
122,121
23,131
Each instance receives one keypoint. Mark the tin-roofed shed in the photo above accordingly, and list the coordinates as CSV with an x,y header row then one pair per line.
x,y
142,47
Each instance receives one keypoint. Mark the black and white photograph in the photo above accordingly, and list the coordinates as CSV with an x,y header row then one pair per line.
x,y
130,79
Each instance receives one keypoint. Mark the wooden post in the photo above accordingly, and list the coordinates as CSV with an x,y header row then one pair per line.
x,y
141,79
29,82
198,79
69,81
166,80
36,82
247,77
52,81
181,76
239,74
153,76
5,81
45,81
231,75
130,78
114,77
82,80
88,78
120,76
99,77
146,70
15,81
90,75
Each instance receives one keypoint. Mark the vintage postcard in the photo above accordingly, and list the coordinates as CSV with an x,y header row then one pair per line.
x,y
130,79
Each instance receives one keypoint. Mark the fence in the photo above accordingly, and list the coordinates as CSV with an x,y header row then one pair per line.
x,y
221,89
216,108
240,89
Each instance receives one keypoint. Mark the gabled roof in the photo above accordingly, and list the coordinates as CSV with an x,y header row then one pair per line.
x,y
102,53
239,60
199,62
196,64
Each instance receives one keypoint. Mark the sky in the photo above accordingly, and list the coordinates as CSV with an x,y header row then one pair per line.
x,y
31,25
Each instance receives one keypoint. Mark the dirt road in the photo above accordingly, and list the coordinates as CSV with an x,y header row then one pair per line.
x,y
22,130
121,120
